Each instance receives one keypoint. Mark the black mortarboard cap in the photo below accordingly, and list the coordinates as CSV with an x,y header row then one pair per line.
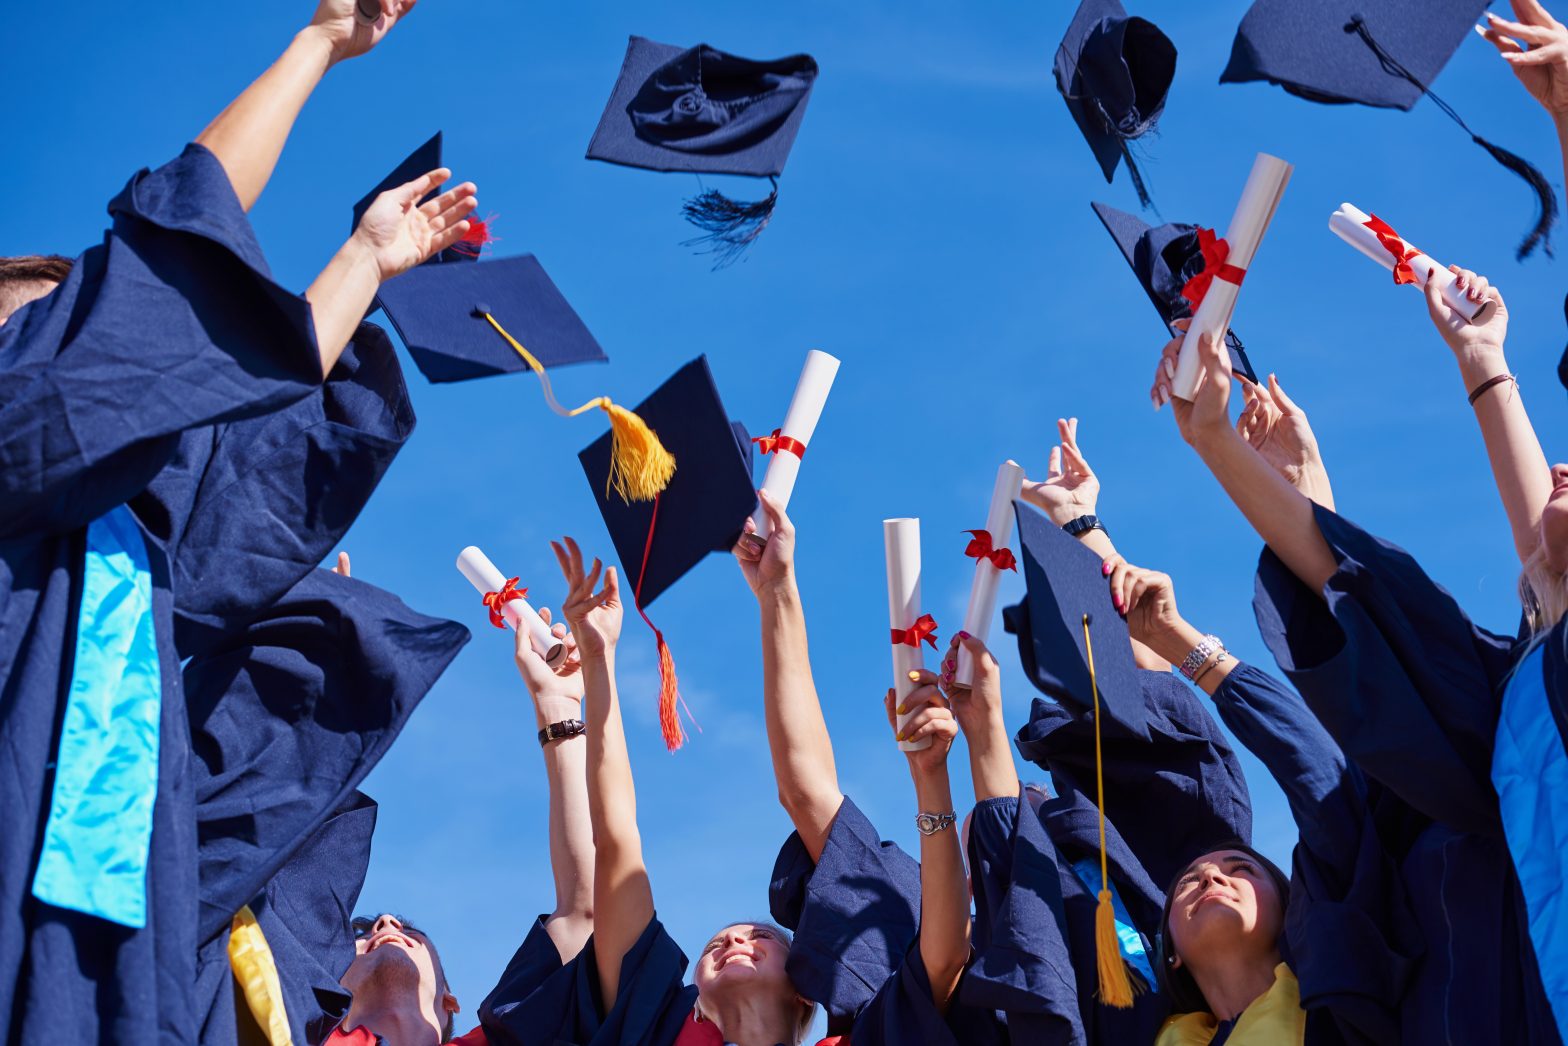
x,y
438,311
702,110
421,161
1164,258
1065,583
1384,53
1114,73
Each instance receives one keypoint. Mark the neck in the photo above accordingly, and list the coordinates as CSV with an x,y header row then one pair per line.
x,y
753,1022
398,1025
1233,981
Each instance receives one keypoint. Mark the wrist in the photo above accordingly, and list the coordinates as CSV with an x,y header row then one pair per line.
x,y
1208,440
316,42
552,708
357,255
933,789
780,591
1175,642
1479,362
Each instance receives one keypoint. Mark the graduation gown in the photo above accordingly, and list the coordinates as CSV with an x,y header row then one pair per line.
x,y
165,332
1413,693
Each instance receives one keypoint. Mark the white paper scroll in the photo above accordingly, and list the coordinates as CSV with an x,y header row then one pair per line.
x,y
1350,225
800,424
1259,199
483,575
988,579
902,539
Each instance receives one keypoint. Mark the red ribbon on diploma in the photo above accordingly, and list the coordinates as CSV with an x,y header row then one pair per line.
x,y
1215,267
981,548
1394,244
775,443
923,628
496,600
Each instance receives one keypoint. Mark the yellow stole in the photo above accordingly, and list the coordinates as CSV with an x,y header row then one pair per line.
x,y
251,960
1275,1018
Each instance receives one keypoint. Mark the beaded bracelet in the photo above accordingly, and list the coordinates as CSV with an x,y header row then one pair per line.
x,y
1200,654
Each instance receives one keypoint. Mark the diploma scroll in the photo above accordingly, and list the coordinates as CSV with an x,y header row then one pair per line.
x,y
988,579
1259,200
1354,227
483,575
902,539
800,424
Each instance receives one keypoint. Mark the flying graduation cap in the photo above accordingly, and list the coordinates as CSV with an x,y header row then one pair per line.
x,y
1166,258
1381,53
703,510
699,109
1114,73
462,318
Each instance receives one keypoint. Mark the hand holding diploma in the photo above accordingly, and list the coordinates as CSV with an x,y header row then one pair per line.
x,y
786,446
507,604
1374,238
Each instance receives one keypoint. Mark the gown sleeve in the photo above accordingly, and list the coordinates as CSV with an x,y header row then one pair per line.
x,y
535,961
288,719
902,1011
854,913
1394,670
172,323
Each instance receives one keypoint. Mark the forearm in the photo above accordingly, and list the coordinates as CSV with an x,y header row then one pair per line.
x,y
798,738
944,893
1180,641
1524,481
248,136
1560,120
571,825
991,758
339,298
1281,515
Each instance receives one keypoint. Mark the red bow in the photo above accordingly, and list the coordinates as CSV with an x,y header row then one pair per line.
x,y
923,628
495,600
775,443
1215,251
1393,244
981,548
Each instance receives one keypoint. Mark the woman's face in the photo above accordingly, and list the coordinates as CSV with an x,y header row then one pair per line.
x,y
1223,900
1554,522
743,957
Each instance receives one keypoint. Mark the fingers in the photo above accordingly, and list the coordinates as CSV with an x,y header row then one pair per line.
x,y
1075,459
409,192
748,547
1530,34
1504,45
1287,406
887,706
940,727
979,656
916,726
949,663
343,565
1053,467
1533,12
1165,369
612,586
565,562
446,238
777,518
1115,570
436,205
1547,55
1436,307
591,582
544,615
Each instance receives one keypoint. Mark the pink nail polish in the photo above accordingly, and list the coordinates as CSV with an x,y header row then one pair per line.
x,y
963,635
1105,570
1117,600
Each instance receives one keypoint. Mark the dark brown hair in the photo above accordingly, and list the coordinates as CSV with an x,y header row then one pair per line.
x,y
34,268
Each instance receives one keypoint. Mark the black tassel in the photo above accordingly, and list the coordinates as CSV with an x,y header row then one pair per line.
x,y
1562,364
1135,174
1545,199
729,226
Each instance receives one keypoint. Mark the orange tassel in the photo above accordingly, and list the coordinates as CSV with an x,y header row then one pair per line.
x,y
669,695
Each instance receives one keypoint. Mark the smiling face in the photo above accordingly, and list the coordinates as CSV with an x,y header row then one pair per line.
x,y
392,959
1224,901
742,955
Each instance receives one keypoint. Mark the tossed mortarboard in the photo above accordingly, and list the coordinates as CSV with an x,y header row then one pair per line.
x,y
699,109
422,161
1382,54
1066,590
702,510
1165,258
1114,72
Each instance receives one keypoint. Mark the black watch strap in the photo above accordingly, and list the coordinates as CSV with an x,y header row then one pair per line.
x,y
1083,524
561,731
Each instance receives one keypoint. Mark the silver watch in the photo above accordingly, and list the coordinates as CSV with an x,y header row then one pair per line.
x,y
930,824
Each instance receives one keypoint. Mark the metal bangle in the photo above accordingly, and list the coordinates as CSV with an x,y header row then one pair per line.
x,y
1200,654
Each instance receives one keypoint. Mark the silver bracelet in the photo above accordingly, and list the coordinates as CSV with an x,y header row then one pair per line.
x,y
1201,653
930,824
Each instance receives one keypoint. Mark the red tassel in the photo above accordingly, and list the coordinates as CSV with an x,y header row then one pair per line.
x,y
669,694
477,238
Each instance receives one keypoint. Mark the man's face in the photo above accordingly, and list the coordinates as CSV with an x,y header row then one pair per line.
x,y
393,958
14,295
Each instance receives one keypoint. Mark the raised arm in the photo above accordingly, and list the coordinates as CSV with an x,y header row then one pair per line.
x,y
248,136
622,896
944,888
978,709
797,733
558,698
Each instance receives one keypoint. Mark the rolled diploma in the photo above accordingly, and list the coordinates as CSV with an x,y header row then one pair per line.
x,y
800,423
902,539
982,593
1259,199
1349,224
483,575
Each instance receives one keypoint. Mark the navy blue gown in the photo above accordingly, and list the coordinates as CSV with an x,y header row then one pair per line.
x,y
1412,692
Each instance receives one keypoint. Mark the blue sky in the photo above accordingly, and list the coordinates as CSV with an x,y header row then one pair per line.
x,y
934,232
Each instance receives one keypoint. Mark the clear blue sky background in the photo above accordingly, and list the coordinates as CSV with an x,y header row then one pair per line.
x,y
934,232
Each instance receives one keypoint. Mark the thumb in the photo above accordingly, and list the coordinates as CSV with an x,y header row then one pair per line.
x,y
979,653
1286,405
1435,305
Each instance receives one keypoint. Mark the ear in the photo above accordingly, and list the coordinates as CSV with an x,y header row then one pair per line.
x,y
449,1003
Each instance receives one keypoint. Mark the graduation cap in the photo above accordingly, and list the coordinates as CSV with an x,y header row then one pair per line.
x,y
1383,53
699,109
422,161
1075,648
703,510
450,317
1114,73
1165,258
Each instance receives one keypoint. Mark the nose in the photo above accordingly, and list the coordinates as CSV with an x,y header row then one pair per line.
x,y
385,921
1212,875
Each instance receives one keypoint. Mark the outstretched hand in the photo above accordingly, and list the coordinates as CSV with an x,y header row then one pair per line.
x,y
1278,430
595,617
1070,488
1147,599
563,681
399,232
1207,414
1536,48
1471,342
929,716
346,31
772,562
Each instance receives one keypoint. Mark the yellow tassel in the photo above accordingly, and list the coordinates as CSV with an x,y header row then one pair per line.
x,y
1116,988
640,467
251,960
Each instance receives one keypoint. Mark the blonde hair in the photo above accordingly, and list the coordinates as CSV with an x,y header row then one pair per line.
x,y
1543,591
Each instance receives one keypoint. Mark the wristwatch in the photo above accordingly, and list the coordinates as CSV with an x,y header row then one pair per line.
x,y
1083,524
930,824
561,731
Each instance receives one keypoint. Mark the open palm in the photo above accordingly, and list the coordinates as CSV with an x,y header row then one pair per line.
x,y
1536,47
1070,488
595,617
400,232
